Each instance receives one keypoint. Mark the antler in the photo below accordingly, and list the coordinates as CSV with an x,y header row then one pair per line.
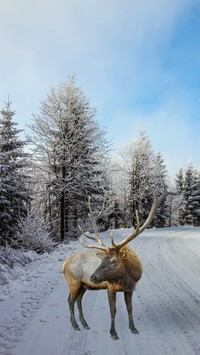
x,y
94,225
165,193
152,212
139,229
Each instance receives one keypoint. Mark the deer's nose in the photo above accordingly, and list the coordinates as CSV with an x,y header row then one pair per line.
x,y
93,278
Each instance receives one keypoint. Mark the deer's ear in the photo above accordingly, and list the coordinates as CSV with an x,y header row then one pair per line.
x,y
100,255
123,253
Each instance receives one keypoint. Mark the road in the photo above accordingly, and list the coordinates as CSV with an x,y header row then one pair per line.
x,y
35,317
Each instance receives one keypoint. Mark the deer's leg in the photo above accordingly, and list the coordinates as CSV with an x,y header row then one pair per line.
x,y
128,301
74,293
112,303
79,304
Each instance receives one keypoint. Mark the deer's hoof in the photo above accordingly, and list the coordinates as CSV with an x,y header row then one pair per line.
x,y
114,336
134,331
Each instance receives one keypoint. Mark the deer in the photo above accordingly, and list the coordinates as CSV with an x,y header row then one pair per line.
x,y
116,268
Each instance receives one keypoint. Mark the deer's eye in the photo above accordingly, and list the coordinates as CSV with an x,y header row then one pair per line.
x,y
113,261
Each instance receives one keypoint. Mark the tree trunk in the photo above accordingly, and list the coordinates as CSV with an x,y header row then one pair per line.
x,y
62,217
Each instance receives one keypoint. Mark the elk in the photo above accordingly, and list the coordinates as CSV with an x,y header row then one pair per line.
x,y
116,268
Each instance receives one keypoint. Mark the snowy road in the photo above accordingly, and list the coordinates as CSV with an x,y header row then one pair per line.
x,y
35,318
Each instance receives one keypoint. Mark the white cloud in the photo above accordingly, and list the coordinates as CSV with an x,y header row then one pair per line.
x,y
114,46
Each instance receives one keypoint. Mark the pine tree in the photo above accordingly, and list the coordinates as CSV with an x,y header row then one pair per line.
x,y
195,198
180,201
188,215
188,185
70,147
140,165
140,172
180,180
14,195
159,177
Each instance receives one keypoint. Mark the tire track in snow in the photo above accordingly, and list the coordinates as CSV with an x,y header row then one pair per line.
x,y
23,308
165,303
172,289
76,341
25,300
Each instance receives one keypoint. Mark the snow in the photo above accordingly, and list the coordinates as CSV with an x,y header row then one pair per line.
x,y
34,310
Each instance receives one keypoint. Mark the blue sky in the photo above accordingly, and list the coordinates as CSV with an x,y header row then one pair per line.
x,y
138,61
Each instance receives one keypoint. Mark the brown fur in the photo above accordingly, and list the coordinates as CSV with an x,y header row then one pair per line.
x,y
125,274
122,277
132,269
119,270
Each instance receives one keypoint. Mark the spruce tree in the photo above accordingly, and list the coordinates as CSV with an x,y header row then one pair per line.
x,y
69,146
140,172
139,165
188,214
180,182
196,199
14,195
188,186
159,177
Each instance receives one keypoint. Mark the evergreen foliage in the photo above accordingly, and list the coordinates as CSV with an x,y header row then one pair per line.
x,y
138,166
188,185
70,148
69,163
14,194
196,199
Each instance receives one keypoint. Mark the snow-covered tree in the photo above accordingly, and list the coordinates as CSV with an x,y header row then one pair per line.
x,y
192,196
179,182
14,194
159,178
120,187
134,171
188,185
137,166
188,216
69,150
34,234
196,199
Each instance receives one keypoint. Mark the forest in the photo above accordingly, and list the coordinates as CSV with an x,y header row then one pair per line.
x,y
46,179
